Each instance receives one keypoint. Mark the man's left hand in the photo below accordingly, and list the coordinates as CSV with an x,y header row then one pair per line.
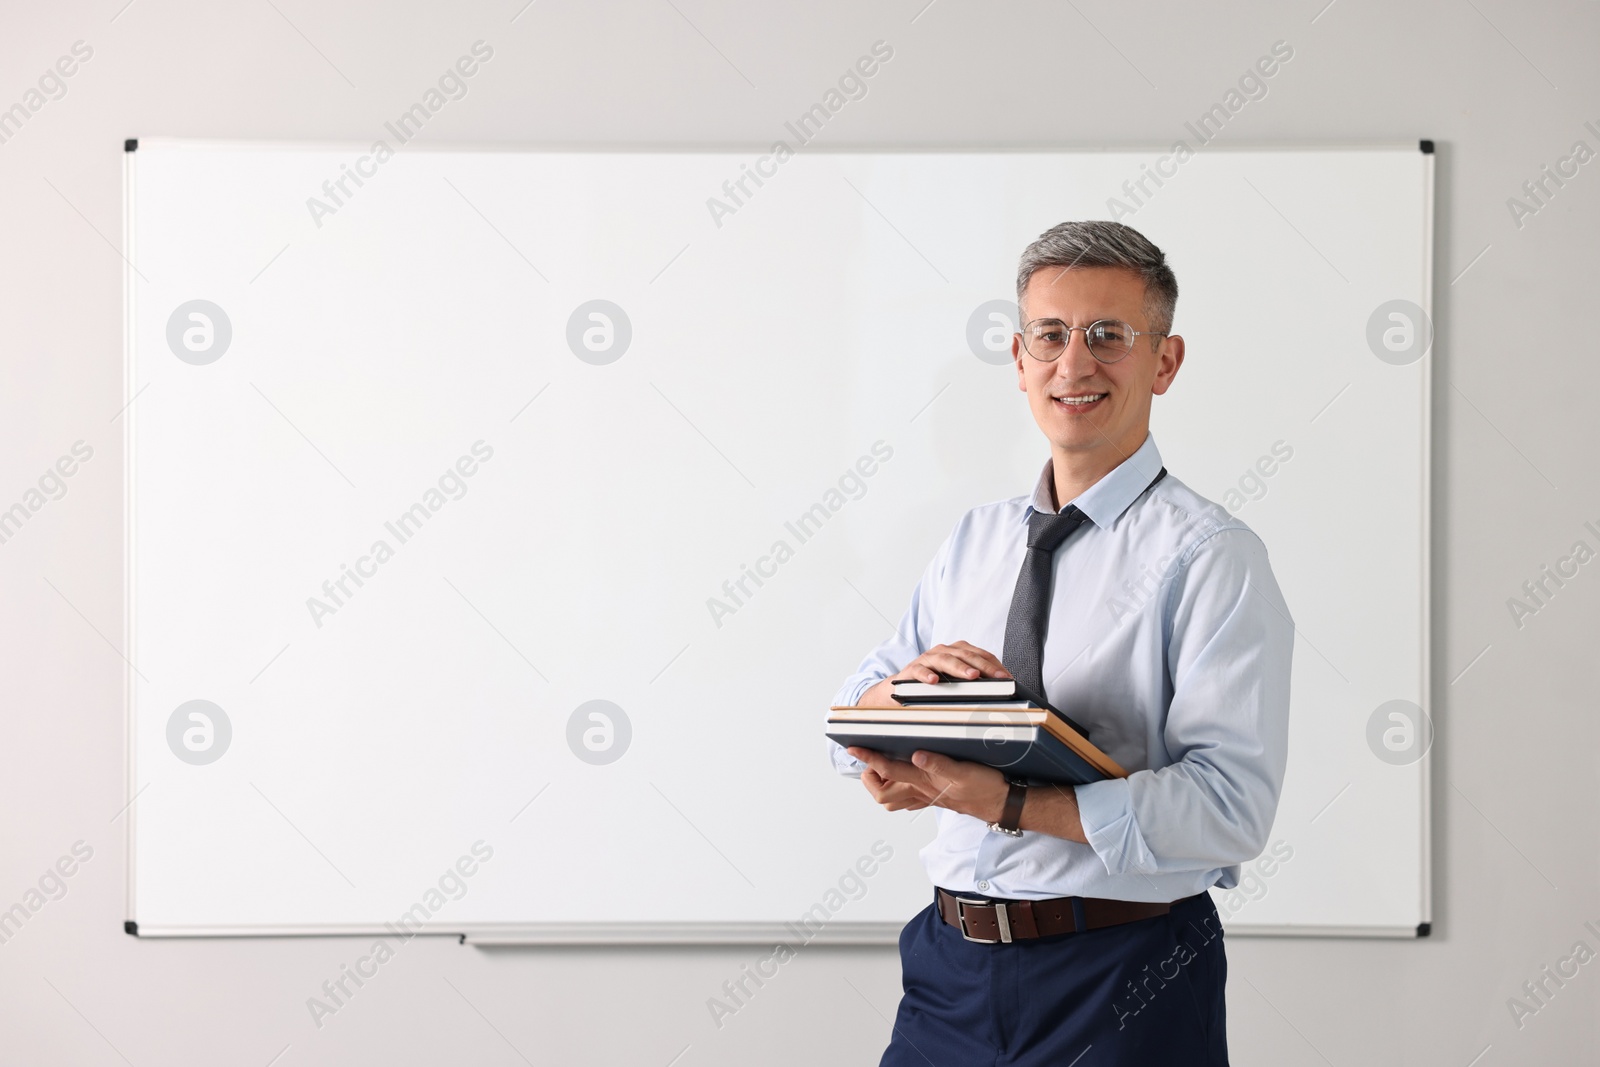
x,y
957,785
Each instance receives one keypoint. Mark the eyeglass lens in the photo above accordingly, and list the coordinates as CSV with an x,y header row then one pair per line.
x,y
1109,340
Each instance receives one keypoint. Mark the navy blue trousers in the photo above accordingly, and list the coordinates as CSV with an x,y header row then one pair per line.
x,y
1146,993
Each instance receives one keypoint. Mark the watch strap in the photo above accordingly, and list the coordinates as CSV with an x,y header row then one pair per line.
x,y
1011,815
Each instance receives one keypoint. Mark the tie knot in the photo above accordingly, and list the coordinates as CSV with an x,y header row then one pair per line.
x,y
1046,531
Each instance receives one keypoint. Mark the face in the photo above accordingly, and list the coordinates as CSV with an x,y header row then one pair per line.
x,y
1112,420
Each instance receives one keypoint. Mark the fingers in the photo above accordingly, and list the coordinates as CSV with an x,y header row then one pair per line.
x,y
894,796
875,760
918,670
931,779
934,765
961,660
890,770
988,663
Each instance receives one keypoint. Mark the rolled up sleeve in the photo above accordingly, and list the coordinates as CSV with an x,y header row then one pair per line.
x,y
1230,639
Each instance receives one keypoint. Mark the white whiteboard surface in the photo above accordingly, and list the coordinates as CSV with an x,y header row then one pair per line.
x,y
772,346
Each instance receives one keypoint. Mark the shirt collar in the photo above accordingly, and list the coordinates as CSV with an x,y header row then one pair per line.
x,y
1108,498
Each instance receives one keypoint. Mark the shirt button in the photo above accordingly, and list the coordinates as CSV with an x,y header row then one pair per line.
x,y
983,885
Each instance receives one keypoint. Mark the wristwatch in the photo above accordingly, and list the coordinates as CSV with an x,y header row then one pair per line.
x,y
1011,815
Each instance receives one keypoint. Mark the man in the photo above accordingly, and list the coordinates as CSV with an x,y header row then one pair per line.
x,y
1089,938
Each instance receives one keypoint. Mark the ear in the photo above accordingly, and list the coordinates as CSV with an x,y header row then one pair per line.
x,y
1016,357
1168,359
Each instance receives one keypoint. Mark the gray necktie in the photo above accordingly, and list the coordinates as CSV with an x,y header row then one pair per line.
x,y
1030,604
1023,655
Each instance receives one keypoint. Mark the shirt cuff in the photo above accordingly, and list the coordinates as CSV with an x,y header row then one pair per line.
x,y
853,698
1106,811
845,763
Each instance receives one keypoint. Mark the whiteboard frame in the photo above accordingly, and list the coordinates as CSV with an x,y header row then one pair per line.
x,y
743,933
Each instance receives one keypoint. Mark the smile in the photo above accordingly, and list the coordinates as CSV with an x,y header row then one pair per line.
x,y
1079,403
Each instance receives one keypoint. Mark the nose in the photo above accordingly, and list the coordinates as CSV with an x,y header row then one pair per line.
x,y
1076,361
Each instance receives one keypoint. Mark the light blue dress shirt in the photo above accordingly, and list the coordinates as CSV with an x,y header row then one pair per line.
x,y
1169,640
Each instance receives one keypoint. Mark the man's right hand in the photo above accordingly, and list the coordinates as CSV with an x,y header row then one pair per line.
x,y
960,661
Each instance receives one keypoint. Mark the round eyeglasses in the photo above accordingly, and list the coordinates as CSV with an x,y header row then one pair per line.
x,y
1109,340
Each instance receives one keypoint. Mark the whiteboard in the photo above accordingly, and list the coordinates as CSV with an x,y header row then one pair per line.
x,y
564,489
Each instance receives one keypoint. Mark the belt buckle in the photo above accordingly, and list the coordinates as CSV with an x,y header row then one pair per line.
x,y
1001,918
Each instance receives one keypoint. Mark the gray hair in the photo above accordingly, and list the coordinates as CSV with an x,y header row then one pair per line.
x,y
1106,244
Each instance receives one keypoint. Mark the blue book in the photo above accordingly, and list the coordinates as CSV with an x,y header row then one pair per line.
x,y
1034,744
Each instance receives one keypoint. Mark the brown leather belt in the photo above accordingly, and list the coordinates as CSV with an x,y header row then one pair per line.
x,y
993,922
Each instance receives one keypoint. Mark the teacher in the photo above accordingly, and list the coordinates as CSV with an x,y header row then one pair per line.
x,y
1071,925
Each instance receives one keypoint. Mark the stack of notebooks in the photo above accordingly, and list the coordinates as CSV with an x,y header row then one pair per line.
x,y
986,721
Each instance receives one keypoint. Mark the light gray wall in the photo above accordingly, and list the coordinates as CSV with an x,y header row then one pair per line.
x,y
1504,88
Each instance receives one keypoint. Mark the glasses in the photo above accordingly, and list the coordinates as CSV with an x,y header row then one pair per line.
x,y
1109,340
